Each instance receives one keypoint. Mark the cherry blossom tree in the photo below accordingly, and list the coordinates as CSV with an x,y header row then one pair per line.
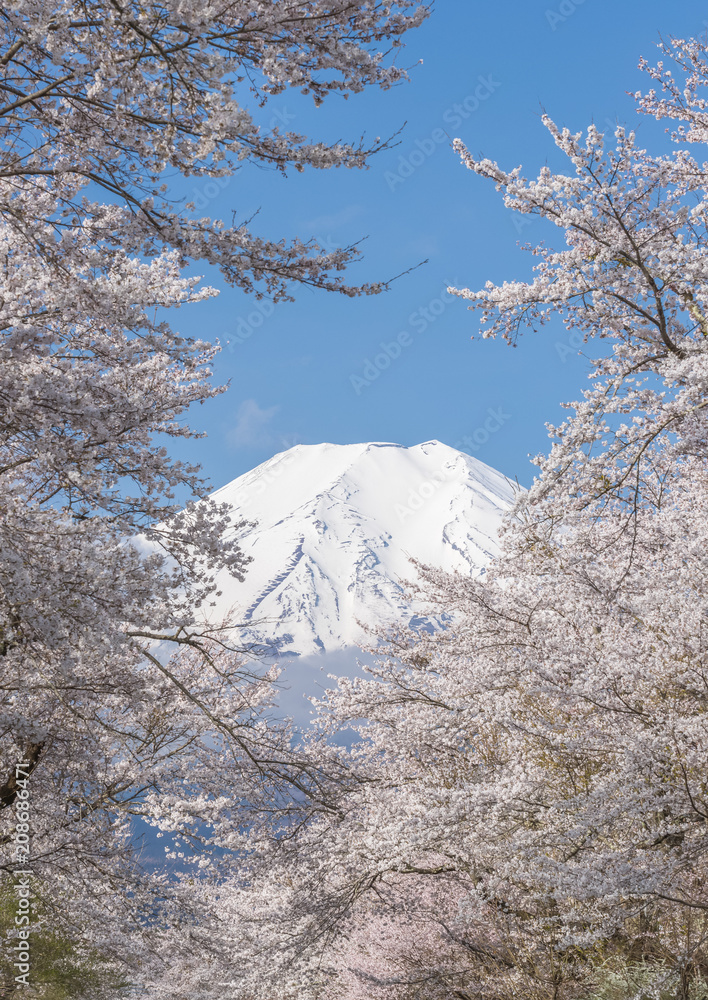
x,y
103,98
122,700
538,768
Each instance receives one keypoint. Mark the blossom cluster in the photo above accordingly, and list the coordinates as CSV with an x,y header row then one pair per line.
x,y
526,808
132,705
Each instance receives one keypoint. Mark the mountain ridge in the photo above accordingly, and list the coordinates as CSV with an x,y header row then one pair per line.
x,y
336,527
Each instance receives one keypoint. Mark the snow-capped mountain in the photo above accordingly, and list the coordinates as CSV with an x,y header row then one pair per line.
x,y
336,527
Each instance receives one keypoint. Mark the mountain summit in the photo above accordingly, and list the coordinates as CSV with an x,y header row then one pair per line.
x,y
336,527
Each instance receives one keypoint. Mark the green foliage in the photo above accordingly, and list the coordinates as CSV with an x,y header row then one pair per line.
x,y
60,969
644,981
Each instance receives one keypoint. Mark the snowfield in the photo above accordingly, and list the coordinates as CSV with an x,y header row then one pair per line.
x,y
335,527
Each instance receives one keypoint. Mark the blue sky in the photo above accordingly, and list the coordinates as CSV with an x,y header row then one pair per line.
x,y
298,372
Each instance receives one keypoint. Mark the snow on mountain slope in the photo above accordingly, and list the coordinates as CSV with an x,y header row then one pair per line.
x,y
336,527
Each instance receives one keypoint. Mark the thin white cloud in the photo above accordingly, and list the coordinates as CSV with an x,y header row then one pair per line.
x,y
251,428
335,220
